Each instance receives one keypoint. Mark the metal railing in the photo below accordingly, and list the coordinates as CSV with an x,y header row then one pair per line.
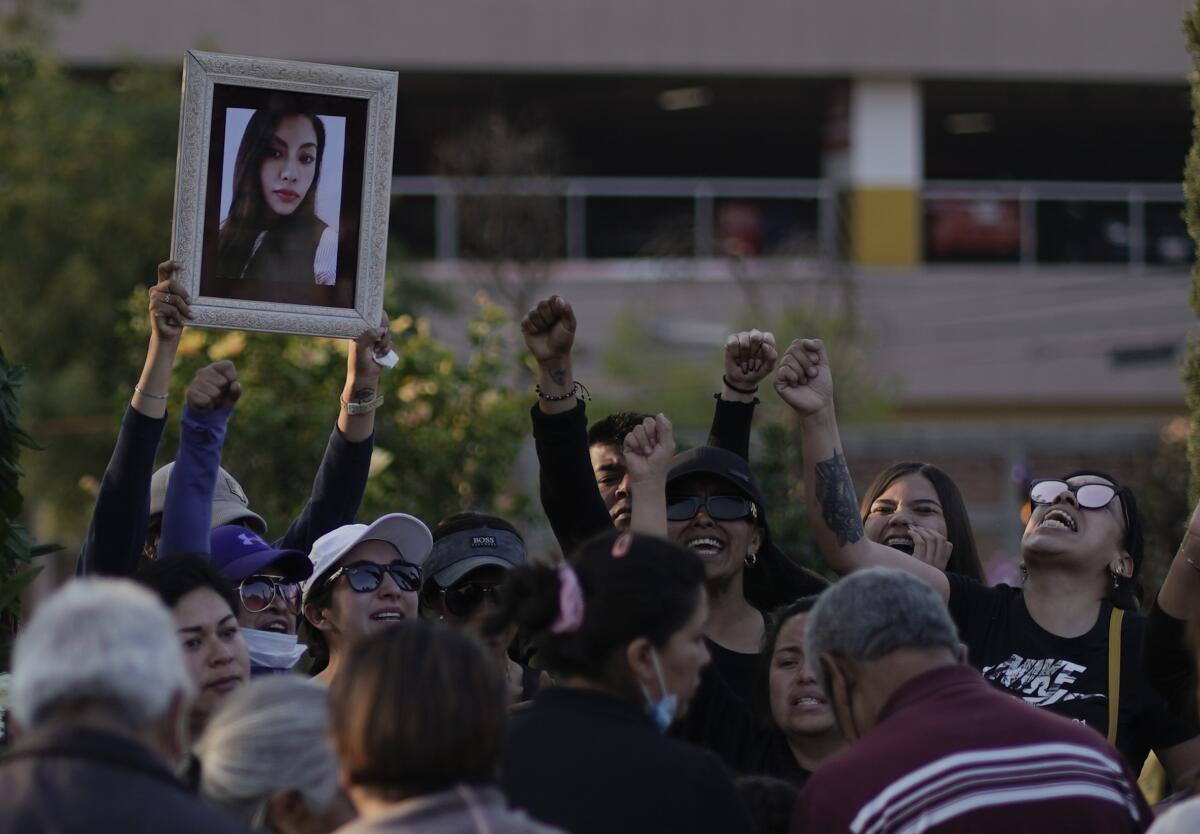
x,y
1028,196
578,193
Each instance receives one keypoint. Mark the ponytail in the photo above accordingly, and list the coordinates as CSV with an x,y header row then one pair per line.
x,y
630,585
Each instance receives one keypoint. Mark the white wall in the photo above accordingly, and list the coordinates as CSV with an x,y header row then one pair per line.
x,y
1133,40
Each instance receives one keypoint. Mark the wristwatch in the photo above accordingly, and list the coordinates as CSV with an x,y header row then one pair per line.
x,y
356,408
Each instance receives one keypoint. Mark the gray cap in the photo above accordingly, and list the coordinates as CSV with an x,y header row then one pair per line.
x,y
457,554
229,500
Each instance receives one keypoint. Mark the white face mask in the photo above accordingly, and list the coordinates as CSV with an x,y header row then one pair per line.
x,y
661,711
272,650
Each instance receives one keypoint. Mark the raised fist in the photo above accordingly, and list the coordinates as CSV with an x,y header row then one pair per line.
x,y
804,380
214,386
749,357
549,329
649,449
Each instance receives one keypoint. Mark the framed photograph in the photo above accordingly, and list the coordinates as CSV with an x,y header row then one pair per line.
x,y
282,188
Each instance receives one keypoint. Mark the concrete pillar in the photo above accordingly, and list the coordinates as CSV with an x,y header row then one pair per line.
x,y
879,166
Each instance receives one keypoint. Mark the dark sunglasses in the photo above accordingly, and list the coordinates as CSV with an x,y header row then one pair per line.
x,y
258,592
718,508
365,577
1088,496
464,600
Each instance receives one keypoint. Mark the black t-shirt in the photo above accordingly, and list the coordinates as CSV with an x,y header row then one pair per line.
x,y
738,669
1168,663
725,723
1068,676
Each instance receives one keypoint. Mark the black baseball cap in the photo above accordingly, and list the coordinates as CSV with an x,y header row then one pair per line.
x,y
723,464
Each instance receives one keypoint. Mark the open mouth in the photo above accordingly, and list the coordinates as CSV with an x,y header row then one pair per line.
x,y
1059,520
388,616
807,701
706,546
276,627
901,543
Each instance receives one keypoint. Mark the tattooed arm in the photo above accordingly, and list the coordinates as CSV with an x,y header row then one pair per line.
x,y
805,383
835,498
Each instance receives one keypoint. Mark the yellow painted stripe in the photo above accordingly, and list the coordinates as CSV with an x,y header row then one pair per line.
x,y
885,226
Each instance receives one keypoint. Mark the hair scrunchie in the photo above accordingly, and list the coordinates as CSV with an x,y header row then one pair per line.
x,y
570,602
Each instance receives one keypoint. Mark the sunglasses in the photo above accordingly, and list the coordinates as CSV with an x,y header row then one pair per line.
x,y
257,592
365,577
464,600
1088,496
718,508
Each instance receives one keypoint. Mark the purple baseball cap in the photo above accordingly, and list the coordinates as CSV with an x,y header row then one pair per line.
x,y
238,552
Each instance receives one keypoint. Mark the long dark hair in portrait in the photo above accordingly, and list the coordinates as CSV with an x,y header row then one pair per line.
x,y
288,248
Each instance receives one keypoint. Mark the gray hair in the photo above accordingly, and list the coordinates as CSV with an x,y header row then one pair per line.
x,y
871,614
271,736
99,642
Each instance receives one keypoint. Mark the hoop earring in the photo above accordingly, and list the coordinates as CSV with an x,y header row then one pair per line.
x,y
1116,581
751,559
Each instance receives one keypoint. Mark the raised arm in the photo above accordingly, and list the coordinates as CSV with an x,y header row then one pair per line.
x,y
804,381
1167,661
750,357
341,478
361,391
549,331
567,482
649,449
1179,595
187,508
117,531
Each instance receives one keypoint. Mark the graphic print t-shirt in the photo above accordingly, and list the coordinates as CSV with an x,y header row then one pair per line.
x,y
1066,675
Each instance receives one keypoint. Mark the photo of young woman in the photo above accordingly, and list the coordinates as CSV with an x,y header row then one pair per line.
x,y
280,196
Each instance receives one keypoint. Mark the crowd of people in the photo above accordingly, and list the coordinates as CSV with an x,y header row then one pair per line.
x,y
674,670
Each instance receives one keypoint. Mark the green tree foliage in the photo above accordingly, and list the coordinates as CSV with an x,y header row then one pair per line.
x,y
446,436
87,166
16,548
1191,213
1160,486
86,184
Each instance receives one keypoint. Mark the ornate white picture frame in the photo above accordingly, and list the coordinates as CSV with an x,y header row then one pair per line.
x,y
259,197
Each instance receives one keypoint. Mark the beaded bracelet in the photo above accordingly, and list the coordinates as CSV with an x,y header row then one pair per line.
x,y
578,389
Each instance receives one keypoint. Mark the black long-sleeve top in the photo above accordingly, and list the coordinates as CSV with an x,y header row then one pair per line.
x,y
567,482
591,763
117,532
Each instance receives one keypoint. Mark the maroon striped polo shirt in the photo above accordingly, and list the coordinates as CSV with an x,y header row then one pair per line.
x,y
952,754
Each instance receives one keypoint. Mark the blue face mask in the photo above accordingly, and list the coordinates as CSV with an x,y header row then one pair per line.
x,y
662,710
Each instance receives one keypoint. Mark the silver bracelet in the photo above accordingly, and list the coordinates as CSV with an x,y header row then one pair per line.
x,y
356,408
145,393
